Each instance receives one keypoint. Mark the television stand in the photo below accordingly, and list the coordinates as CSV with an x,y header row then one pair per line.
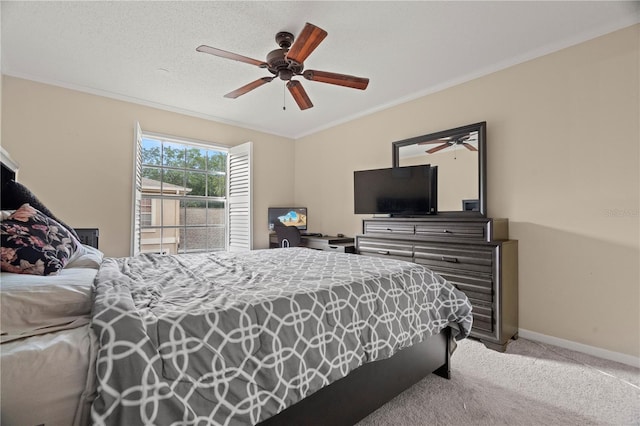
x,y
326,243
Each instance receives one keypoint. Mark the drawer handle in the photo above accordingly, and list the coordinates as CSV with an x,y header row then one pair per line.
x,y
389,229
449,259
446,231
383,251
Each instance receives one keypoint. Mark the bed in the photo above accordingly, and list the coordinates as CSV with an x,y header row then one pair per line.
x,y
47,346
262,337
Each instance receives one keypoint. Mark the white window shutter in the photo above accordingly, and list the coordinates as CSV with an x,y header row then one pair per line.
x,y
137,190
239,183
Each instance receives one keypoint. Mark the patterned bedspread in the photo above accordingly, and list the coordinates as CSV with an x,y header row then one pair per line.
x,y
234,338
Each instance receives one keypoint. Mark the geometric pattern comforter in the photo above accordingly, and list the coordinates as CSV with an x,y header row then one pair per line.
x,y
234,338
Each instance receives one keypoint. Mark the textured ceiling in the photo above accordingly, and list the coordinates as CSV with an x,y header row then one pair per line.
x,y
144,51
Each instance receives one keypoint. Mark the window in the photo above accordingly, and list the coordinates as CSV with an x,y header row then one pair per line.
x,y
181,196
146,215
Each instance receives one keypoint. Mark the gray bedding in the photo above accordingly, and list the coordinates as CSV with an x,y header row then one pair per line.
x,y
234,338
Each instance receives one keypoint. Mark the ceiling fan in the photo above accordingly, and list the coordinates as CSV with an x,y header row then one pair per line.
x,y
288,62
465,140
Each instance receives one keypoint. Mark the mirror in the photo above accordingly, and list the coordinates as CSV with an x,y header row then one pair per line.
x,y
461,157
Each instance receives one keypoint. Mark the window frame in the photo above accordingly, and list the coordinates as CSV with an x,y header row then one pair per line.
x,y
207,225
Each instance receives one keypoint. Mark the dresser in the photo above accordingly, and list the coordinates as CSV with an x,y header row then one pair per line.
x,y
473,253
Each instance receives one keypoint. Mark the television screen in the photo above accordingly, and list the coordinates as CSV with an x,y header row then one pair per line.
x,y
400,191
290,216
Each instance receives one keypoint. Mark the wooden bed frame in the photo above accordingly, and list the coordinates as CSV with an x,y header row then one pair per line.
x,y
367,388
364,390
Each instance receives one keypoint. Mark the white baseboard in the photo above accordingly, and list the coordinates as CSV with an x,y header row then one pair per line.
x,y
579,347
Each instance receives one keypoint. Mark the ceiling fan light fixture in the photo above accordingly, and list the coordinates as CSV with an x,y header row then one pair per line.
x,y
285,74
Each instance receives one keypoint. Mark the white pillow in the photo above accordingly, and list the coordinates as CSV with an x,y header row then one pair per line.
x,y
85,257
36,304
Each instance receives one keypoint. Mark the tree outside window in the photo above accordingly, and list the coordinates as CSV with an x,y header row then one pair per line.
x,y
183,202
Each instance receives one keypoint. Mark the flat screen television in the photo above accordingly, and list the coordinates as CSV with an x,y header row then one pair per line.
x,y
290,216
396,191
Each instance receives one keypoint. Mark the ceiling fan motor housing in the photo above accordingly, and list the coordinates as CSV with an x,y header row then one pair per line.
x,y
280,66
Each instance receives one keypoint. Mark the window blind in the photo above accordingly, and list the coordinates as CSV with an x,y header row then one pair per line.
x,y
239,185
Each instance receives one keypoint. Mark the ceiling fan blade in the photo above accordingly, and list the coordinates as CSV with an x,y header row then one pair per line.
x,y
299,94
338,79
248,87
306,42
229,55
469,147
437,148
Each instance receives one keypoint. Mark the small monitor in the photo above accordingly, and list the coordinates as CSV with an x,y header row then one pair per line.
x,y
289,216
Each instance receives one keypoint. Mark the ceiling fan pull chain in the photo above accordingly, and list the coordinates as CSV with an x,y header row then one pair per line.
x,y
284,96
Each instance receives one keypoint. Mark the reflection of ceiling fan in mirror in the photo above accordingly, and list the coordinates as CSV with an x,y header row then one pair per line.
x,y
468,140
288,62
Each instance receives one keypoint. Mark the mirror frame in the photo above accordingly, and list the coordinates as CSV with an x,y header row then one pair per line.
x,y
481,128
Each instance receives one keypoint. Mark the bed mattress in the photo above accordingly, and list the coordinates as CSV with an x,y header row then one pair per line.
x,y
48,348
49,379
234,338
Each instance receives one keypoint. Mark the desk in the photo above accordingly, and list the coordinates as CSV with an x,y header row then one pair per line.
x,y
327,243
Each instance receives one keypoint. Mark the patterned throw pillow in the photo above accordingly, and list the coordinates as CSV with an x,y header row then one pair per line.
x,y
33,243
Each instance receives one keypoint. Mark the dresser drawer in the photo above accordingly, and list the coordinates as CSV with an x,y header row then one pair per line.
x,y
482,323
483,316
481,310
478,287
454,230
463,259
380,247
389,228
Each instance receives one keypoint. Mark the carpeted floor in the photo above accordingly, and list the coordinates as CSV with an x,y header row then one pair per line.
x,y
530,384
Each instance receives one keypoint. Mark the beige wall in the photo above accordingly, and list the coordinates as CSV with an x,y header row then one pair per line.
x,y
563,161
75,152
563,158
